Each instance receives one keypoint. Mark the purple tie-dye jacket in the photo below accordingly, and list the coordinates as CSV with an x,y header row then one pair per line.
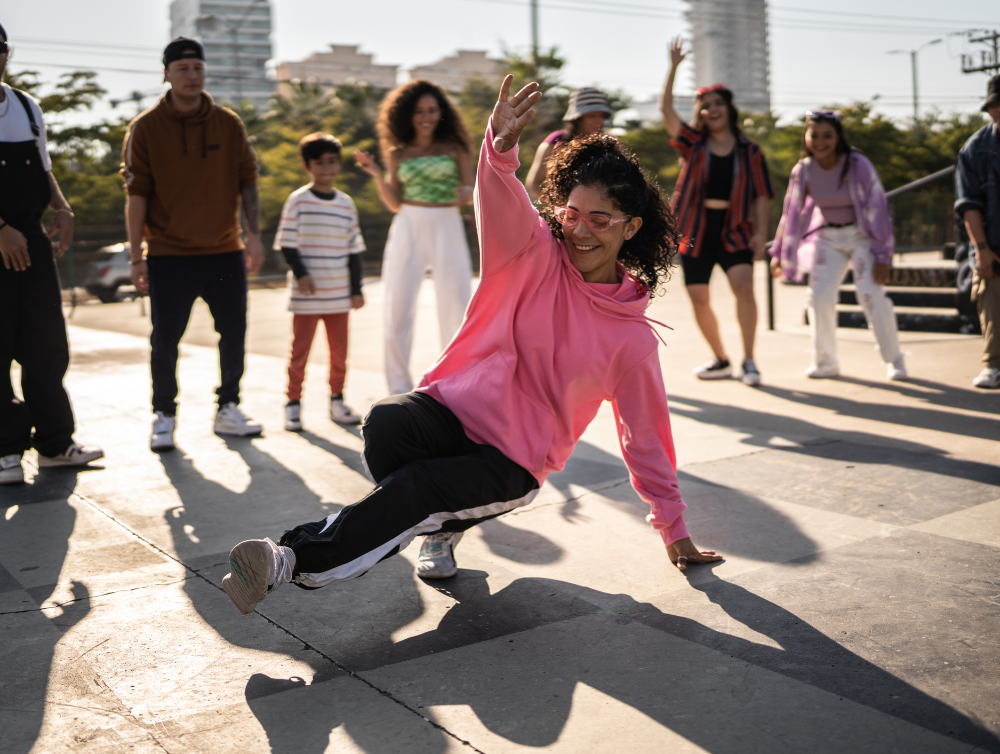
x,y
795,241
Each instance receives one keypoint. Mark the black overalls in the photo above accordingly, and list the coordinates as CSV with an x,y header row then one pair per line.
x,y
32,328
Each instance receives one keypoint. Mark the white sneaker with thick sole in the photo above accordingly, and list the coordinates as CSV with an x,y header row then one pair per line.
x,y
823,371
74,455
11,471
162,437
751,376
437,555
256,568
988,379
341,413
716,369
231,421
293,417
896,369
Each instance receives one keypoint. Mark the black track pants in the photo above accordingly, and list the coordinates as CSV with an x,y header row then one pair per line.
x,y
429,477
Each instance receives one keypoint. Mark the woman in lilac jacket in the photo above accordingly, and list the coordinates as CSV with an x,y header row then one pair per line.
x,y
836,215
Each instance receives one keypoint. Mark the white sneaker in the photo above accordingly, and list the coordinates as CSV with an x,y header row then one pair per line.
x,y
10,469
341,413
74,455
256,568
750,374
716,369
896,369
231,421
293,417
989,379
437,555
823,371
163,432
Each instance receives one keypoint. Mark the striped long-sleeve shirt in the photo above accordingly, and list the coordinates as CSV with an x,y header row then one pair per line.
x,y
750,180
325,232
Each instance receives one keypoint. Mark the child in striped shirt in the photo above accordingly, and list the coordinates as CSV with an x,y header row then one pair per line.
x,y
321,241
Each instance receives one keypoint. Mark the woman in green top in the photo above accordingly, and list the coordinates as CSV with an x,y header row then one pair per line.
x,y
428,174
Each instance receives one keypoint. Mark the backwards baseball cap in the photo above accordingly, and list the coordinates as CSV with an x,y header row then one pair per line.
x,y
3,45
992,93
182,47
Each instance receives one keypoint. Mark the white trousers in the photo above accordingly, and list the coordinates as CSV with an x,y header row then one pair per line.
x,y
835,249
422,237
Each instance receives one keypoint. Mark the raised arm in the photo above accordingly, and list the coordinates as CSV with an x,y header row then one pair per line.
x,y
390,191
538,173
671,120
465,175
505,217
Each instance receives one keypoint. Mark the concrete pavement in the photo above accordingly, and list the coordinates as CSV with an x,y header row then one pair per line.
x,y
857,608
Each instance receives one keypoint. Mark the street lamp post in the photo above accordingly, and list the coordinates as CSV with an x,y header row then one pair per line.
x,y
913,68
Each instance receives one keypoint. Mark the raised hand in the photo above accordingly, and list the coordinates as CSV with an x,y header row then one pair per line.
x,y
367,163
677,52
510,118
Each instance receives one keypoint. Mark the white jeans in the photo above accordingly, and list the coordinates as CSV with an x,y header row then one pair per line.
x,y
422,237
835,249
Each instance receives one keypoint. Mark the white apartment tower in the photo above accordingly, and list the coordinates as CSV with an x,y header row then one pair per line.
x,y
729,41
236,35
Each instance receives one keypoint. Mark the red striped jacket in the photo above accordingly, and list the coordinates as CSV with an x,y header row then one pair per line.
x,y
750,180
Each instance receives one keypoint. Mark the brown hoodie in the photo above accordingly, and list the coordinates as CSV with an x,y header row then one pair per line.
x,y
191,170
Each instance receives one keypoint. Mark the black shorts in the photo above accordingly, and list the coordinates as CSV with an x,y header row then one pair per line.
x,y
698,270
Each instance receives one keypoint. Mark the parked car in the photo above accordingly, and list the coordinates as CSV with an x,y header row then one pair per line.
x,y
109,271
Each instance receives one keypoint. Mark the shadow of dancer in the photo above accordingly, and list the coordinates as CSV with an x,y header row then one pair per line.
x,y
557,637
35,530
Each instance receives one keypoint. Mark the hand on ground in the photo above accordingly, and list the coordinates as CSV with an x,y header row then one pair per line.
x,y
510,118
683,553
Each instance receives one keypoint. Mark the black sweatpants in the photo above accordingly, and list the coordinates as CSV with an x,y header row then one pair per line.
x,y
174,284
429,477
33,333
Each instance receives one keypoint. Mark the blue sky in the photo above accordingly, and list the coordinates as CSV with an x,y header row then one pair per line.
x,y
820,52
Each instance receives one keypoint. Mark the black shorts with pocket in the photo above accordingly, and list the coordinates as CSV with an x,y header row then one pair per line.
x,y
698,270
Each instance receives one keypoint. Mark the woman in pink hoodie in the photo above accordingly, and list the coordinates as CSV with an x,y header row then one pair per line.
x,y
556,327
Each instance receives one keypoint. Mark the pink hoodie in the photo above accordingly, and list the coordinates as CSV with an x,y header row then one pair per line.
x,y
540,349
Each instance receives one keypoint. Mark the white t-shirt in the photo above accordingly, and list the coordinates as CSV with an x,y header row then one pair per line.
x,y
15,126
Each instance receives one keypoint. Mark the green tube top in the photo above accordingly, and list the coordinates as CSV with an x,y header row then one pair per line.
x,y
432,179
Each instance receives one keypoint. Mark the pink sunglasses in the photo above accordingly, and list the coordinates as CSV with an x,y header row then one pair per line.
x,y
596,222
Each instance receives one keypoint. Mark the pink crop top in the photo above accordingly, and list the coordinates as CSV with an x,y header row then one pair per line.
x,y
834,201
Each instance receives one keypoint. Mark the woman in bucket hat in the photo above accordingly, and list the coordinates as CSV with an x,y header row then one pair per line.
x,y
587,112
721,202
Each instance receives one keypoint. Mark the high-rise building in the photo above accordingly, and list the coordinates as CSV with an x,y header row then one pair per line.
x,y
729,41
236,35
342,64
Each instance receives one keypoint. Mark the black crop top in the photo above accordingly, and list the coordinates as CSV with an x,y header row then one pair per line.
x,y
720,176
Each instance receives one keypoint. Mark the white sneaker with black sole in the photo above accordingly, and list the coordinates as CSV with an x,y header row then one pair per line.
x,y
231,421
11,471
162,437
256,568
341,413
716,369
74,455
750,374
437,555
293,417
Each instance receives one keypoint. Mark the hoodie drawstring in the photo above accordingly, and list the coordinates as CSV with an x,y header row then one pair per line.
x,y
629,314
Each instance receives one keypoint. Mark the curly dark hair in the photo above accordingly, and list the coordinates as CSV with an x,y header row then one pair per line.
x,y
395,117
600,160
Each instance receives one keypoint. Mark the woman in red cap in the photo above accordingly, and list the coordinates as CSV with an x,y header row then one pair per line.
x,y
721,202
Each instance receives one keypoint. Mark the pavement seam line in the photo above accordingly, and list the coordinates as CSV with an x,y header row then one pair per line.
x,y
194,572
94,596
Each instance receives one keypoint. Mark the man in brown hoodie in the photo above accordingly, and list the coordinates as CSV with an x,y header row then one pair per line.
x,y
188,165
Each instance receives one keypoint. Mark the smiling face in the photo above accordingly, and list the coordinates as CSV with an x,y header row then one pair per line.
x,y
324,170
714,112
186,77
426,116
821,141
595,254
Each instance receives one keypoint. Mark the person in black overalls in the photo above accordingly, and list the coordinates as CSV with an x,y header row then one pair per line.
x,y
32,328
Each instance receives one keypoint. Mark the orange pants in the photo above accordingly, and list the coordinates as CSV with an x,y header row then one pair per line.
x,y
303,332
